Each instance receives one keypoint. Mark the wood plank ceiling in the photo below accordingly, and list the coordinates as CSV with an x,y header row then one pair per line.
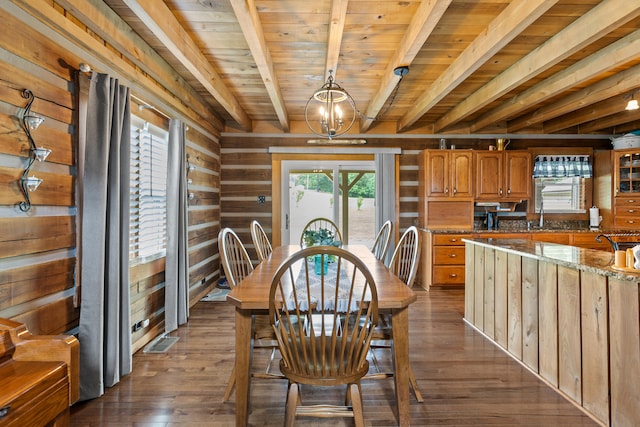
x,y
476,66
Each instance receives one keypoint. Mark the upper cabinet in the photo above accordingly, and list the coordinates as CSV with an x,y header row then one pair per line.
x,y
447,174
626,182
503,175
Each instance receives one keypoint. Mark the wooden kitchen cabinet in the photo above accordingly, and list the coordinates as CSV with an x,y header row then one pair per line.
x,y
447,173
503,175
626,194
443,260
445,189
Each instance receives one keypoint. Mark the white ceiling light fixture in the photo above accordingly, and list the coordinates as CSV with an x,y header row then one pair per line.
x,y
632,104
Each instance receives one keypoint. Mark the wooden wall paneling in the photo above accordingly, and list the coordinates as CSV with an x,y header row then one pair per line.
x,y
201,216
22,236
203,252
530,303
595,349
478,311
22,41
469,282
198,236
14,141
489,308
514,305
28,283
55,190
201,272
624,341
501,301
51,319
548,322
569,340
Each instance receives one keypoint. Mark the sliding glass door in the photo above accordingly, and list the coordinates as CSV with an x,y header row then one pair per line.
x,y
343,192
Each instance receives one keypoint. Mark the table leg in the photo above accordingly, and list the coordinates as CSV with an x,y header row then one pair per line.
x,y
400,325
243,366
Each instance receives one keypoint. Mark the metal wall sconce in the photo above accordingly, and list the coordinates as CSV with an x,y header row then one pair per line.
x,y
30,121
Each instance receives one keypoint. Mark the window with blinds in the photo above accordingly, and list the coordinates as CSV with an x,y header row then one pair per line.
x,y
147,215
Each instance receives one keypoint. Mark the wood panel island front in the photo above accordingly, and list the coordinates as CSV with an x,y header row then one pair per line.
x,y
566,314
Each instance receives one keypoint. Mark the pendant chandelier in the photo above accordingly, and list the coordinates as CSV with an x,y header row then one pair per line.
x,y
331,111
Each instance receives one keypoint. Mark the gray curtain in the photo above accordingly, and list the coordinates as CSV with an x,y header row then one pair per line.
x,y
386,194
176,291
105,330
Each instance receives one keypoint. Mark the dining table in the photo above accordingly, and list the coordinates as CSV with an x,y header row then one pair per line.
x,y
251,297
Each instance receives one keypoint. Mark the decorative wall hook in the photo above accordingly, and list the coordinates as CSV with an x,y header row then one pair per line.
x,y
30,121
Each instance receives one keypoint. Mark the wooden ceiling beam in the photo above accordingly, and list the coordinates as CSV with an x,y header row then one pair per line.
x,y
615,55
612,121
516,17
160,21
584,115
420,28
247,15
599,21
336,29
624,81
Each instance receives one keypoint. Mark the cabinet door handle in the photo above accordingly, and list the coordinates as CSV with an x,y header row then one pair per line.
x,y
631,210
508,191
631,201
446,190
452,255
4,411
453,240
455,190
453,275
500,191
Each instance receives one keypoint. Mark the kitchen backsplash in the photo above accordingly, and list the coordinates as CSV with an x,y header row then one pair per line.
x,y
521,224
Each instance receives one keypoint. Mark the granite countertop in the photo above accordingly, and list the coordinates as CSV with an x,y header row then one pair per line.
x,y
523,231
599,262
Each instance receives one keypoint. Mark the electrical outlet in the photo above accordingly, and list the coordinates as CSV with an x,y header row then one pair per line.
x,y
262,199
204,280
140,325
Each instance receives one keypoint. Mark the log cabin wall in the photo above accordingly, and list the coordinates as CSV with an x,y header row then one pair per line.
x,y
38,253
246,173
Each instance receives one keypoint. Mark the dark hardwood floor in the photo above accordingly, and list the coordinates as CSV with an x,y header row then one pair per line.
x,y
465,380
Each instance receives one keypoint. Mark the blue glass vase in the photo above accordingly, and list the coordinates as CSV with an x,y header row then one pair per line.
x,y
318,264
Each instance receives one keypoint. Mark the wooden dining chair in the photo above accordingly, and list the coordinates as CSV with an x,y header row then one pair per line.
x,y
237,265
404,264
260,241
383,239
331,347
318,224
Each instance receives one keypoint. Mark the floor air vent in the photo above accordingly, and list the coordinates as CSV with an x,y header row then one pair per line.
x,y
161,344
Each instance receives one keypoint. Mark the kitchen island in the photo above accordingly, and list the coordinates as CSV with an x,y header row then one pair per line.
x,y
566,314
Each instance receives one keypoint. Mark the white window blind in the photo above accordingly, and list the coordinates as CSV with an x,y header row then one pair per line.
x,y
147,215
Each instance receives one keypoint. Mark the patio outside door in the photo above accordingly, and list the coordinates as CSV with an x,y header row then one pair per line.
x,y
342,192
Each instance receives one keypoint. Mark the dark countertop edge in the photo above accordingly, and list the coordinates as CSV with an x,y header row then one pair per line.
x,y
588,260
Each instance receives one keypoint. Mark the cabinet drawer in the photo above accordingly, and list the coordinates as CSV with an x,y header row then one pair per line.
x,y
449,239
627,222
448,255
631,211
444,274
628,201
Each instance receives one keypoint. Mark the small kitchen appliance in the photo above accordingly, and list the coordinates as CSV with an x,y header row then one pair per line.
x,y
594,217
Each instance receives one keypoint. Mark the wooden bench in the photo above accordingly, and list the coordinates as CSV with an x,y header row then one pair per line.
x,y
39,376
